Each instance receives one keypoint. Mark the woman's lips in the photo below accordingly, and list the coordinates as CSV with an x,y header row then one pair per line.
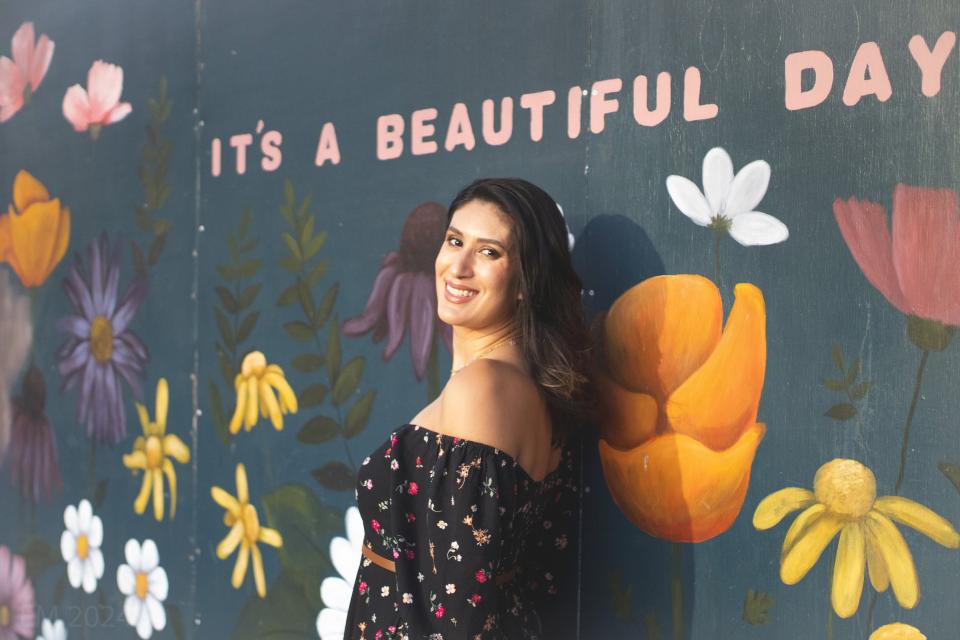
x,y
454,298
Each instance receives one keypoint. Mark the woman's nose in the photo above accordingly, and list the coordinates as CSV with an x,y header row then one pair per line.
x,y
461,266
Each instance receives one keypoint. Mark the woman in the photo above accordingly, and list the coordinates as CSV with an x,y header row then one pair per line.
x,y
467,509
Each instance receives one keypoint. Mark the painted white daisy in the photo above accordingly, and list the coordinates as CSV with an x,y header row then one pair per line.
x,y
80,546
727,201
345,553
144,582
52,630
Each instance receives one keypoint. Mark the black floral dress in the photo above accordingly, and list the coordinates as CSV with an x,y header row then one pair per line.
x,y
454,514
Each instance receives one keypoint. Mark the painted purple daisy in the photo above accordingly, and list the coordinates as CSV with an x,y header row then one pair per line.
x,y
17,613
32,457
404,292
101,348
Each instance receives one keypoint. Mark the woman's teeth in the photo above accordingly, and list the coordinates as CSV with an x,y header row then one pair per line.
x,y
463,293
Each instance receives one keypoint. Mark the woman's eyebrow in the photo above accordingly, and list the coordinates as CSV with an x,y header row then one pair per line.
x,y
490,240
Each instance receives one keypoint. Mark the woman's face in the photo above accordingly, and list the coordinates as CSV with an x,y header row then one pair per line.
x,y
478,258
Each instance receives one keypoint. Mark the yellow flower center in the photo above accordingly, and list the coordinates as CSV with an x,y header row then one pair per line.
x,y
101,339
154,451
251,523
4,616
845,487
83,546
254,364
142,585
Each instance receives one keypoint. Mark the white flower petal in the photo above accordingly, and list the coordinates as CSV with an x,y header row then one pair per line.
x,y
68,546
755,228
95,536
354,523
75,572
131,609
149,556
96,562
70,519
89,576
144,628
159,586
59,630
126,579
687,197
748,188
131,552
158,617
717,177
46,629
84,514
345,558
330,624
336,593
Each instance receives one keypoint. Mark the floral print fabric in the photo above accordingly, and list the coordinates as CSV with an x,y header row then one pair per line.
x,y
454,514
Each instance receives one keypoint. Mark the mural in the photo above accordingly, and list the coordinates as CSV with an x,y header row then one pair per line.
x,y
216,245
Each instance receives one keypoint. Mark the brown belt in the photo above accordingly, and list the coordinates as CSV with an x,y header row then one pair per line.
x,y
390,565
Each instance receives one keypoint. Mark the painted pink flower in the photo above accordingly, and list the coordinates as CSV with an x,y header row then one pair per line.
x,y
481,576
99,104
17,612
439,611
404,293
375,525
32,458
21,77
412,489
916,270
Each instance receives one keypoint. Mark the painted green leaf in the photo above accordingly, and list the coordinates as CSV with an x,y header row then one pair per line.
x,y
292,264
247,296
620,598
834,385
244,225
249,245
313,247
175,618
317,272
347,381
243,270
139,262
292,246
843,411
307,232
860,390
287,613
333,351
298,331
837,356
326,305
756,607
307,362
335,475
306,526
226,331
952,472
318,430
313,395
39,556
306,298
359,414
217,417
305,207
246,326
156,247
853,372
226,365
227,300
288,194
288,297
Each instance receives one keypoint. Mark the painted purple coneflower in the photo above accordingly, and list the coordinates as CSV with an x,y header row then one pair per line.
x,y
404,292
17,612
101,348
32,457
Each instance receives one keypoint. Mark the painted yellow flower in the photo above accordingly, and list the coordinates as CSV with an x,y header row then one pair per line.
x,y
844,499
245,531
255,386
35,231
897,631
152,452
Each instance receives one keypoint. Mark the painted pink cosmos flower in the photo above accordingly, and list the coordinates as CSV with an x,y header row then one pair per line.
x,y
32,457
21,77
99,104
404,293
17,611
916,270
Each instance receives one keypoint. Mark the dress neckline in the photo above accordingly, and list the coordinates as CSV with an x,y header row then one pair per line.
x,y
506,455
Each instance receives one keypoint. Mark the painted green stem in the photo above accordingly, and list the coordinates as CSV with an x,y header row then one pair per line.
x,y
906,429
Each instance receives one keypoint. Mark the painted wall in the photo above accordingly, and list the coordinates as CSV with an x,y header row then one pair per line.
x,y
192,182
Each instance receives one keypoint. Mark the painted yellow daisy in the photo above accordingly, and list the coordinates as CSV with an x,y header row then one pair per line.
x,y
897,631
255,385
152,452
245,532
844,500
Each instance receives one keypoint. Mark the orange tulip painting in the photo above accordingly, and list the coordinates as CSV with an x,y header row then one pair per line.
x,y
679,403
35,231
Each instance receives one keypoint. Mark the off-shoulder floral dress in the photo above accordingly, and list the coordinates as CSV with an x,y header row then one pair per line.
x,y
453,514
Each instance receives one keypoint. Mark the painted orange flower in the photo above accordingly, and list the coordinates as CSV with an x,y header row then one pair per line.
x,y
35,231
679,396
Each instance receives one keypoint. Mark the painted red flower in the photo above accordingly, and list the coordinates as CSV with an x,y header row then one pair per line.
x,y
412,489
481,576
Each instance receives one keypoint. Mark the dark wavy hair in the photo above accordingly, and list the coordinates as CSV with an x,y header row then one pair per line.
x,y
554,337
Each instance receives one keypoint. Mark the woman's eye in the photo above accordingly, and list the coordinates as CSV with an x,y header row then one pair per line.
x,y
449,238
493,252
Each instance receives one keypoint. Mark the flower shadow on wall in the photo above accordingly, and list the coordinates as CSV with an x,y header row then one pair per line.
x,y
21,77
32,459
404,294
679,400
